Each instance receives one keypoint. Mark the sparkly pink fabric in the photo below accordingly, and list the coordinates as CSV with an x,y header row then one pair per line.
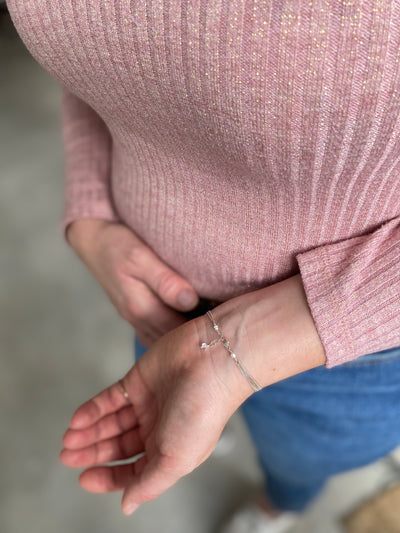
x,y
243,141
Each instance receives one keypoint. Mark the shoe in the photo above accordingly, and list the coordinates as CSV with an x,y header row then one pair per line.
x,y
252,519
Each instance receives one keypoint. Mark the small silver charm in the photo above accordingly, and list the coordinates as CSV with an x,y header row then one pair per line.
x,y
221,339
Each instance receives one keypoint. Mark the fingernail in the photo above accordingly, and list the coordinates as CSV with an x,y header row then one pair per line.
x,y
130,508
187,299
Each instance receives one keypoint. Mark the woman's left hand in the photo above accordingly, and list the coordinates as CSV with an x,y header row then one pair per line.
x,y
181,397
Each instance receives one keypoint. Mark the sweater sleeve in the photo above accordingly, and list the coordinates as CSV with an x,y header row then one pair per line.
x,y
87,153
353,291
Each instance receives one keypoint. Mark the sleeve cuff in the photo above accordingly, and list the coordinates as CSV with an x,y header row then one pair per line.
x,y
327,309
353,291
101,212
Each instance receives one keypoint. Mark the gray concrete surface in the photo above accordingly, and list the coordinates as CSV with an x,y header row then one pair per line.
x,y
61,341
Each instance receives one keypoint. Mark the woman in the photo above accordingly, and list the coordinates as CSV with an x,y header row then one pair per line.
x,y
245,154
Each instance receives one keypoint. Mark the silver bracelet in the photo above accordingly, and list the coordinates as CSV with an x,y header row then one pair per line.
x,y
221,338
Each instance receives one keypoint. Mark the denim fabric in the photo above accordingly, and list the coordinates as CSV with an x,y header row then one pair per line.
x,y
322,422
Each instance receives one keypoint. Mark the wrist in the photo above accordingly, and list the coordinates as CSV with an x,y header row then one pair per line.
x,y
271,331
229,320
281,331
81,233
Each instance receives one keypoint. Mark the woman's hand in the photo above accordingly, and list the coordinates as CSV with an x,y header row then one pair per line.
x,y
145,291
180,398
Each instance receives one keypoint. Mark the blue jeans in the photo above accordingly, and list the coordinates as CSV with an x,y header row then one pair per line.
x,y
322,422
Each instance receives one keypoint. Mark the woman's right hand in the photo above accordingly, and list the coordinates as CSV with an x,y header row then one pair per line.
x,y
145,291
177,402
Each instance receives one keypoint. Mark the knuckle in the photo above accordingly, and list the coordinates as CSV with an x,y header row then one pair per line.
x,y
137,308
133,304
166,282
124,309
132,255
137,256
123,313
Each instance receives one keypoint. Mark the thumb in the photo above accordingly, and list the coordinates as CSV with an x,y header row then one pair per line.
x,y
169,286
151,479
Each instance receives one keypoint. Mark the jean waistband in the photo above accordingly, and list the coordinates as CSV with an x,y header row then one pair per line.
x,y
390,354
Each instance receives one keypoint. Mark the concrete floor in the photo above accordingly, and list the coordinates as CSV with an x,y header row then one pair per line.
x,y
62,341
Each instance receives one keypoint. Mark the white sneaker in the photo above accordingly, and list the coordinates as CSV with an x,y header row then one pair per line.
x,y
252,519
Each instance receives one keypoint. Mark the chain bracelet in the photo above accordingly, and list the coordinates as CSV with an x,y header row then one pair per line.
x,y
223,340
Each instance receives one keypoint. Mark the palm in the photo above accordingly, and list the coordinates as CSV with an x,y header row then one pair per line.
x,y
172,415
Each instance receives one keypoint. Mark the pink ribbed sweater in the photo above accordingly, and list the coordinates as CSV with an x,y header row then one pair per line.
x,y
244,141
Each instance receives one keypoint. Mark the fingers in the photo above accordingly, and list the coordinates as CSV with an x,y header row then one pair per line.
x,y
147,312
107,478
115,449
174,290
107,402
107,427
141,481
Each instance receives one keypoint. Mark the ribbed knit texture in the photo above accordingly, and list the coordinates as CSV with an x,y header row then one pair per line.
x,y
244,141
